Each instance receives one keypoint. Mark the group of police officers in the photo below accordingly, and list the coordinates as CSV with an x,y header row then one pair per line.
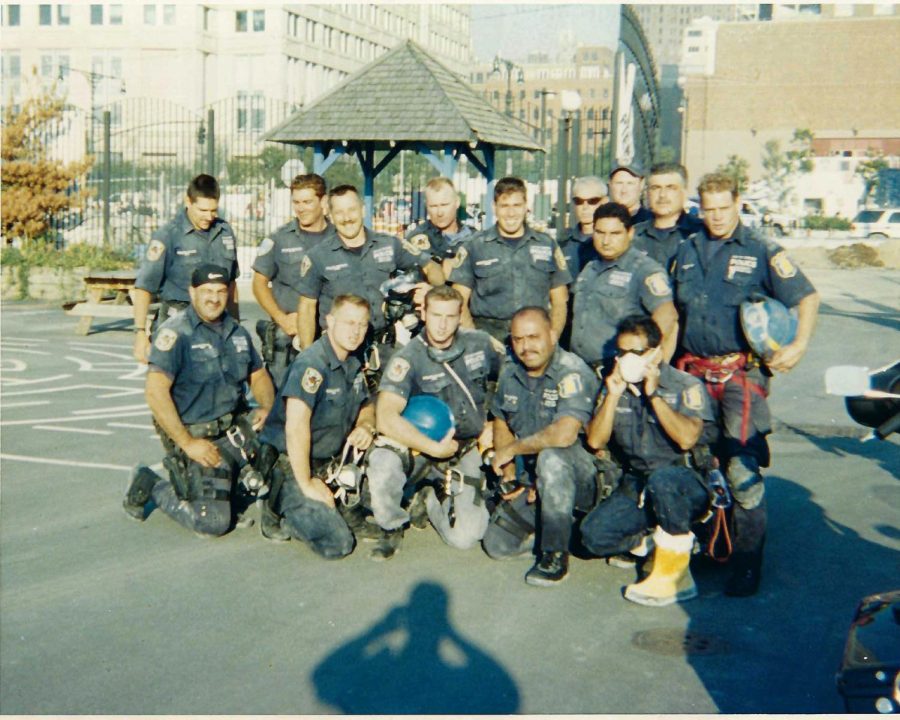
x,y
495,406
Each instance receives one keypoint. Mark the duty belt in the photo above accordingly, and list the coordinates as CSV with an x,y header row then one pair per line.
x,y
211,428
718,371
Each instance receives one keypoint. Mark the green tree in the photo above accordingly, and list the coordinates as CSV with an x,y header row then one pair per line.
x,y
869,170
738,168
782,166
36,187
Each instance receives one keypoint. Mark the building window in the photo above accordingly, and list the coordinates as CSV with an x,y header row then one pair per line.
x,y
259,21
149,14
45,14
96,14
63,67
11,66
207,18
64,14
240,21
168,14
115,14
12,16
46,66
251,112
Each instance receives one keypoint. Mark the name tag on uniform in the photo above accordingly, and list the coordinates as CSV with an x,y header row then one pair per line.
x,y
474,360
550,397
741,264
292,249
240,343
228,242
511,400
185,252
332,391
201,346
489,261
619,278
433,376
385,254
339,266
540,252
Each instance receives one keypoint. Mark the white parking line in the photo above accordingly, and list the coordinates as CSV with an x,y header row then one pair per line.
x,y
119,389
7,338
7,406
132,426
118,408
84,431
77,418
68,463
13,382
27,352
123,357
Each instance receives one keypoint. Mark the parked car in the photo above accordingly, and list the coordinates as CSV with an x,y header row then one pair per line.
x,y
877,223
755,217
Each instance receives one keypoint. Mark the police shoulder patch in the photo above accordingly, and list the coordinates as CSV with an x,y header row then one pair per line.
x,y
397,370
421,241
560,259
460,257
165,341
265,247
311,380
570,385
410,248
692,397
658,284
782,265
155,250
305,265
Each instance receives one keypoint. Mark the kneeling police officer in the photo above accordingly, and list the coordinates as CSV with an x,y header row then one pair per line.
x,y
457,366
199,362
654,415
321,421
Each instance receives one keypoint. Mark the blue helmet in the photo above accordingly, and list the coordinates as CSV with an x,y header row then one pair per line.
x,y
431,416
768,326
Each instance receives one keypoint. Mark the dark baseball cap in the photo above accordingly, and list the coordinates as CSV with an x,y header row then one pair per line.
x,y
206,273
630,168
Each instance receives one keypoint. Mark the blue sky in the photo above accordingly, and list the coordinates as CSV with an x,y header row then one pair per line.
x,y
515,30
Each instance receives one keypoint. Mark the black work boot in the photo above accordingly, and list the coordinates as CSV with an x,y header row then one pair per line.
x,y
139,489
356,520
270,524
387,545
550,569
746,561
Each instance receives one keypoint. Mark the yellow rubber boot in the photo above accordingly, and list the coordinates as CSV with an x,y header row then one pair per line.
x,y
670,579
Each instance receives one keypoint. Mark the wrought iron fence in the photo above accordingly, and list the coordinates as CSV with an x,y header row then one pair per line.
x,y
146,151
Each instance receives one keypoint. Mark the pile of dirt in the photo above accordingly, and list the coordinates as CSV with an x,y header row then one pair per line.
x,y
855,256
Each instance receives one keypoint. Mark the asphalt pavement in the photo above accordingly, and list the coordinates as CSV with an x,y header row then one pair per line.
x,y
100,614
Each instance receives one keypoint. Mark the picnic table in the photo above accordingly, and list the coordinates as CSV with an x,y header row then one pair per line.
x,y
108,295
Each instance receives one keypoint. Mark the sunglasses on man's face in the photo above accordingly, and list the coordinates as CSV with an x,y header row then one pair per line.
x,y
590,201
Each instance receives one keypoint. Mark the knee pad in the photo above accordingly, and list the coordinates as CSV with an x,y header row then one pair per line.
x,y
209,483
555,481
211,517
511,528
745,481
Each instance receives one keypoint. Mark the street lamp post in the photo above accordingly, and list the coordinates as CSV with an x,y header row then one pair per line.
x,y
604,133
570,101
544,210
93,78
501,64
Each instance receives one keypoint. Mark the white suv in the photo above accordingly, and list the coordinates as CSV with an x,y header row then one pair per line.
x,y
877,223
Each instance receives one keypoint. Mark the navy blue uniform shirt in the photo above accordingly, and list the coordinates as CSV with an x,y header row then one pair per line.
x,y
443,245
507,274
606,292
567,388
334,390
662,244
331,269
417,369
208,364
709,292
637,433
177,248
279,257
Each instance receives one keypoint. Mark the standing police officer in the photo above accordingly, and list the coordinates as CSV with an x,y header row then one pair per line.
x,y
354,260
442,229
278,261
199,363
715,271
544,398
653,414
322,406
671,225
626,186
456,365
620,282
196,235
510,266
588,193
